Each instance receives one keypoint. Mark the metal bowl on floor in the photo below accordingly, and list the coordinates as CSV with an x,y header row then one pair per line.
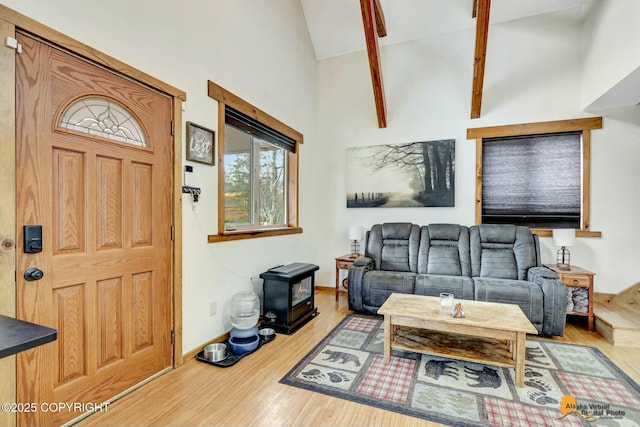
x,y
216,352
267,333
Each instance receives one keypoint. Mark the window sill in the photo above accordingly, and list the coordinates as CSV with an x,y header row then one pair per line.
x,y
546,232
251,234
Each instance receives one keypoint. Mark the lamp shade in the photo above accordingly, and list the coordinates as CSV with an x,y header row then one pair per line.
x,y
564,237
355,232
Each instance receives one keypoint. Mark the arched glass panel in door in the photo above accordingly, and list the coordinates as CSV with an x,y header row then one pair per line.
x,y
105,118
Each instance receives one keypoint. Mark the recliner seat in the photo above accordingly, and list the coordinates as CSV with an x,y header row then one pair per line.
x,y
444,264
393,249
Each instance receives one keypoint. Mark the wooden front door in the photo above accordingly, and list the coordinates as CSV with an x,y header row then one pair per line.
x,y
94,157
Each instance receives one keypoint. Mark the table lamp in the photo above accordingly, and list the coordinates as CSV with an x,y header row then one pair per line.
x,y
355,234
564,237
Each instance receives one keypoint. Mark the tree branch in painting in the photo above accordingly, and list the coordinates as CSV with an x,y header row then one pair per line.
x,y
415,174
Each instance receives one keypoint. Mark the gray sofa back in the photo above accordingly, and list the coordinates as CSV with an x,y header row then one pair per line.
x,y
502,251
444,250
394,246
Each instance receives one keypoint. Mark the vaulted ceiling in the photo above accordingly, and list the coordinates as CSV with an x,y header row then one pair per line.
x,y
339,27
335,26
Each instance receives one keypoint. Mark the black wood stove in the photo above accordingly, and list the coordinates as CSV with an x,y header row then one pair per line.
x,y
288,296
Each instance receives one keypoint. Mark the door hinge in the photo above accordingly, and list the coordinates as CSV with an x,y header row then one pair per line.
x,y
173,233
173,128
13,44
173,337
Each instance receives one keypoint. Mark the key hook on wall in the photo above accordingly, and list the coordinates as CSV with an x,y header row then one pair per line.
x,y
194,191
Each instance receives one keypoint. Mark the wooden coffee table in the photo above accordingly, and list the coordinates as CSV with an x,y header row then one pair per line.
x,y
490,333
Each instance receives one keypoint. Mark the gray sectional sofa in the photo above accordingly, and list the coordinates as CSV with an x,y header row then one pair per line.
x,y
495,263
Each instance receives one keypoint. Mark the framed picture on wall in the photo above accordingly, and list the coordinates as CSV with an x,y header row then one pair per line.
x,y
414,174
200,144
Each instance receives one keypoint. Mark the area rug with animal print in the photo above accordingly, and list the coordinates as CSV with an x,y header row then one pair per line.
x,y
565,384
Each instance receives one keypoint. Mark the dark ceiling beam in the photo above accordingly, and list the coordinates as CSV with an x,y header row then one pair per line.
x,y
381,25
482,33
368,11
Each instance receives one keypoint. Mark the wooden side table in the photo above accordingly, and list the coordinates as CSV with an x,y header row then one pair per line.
x,y
578,277
344,262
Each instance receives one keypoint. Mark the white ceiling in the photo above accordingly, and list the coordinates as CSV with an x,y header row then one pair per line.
x,y
336,28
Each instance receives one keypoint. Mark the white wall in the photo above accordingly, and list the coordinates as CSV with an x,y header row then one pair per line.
x,y
532,74
611,68
258,50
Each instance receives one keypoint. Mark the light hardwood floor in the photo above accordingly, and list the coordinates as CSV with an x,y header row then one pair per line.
x,y
248,394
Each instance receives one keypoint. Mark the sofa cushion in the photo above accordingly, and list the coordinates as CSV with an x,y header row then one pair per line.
x,y
432,285
527,295
498,261
444,250
501,251
378,285
394,246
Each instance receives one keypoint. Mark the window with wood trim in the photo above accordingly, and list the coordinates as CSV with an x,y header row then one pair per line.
x,y
257,171
535,174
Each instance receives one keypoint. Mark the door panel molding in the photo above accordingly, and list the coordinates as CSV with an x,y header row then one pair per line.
x,y
10,22
14,21
96,200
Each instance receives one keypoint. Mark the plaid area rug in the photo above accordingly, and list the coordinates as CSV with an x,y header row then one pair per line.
x,y
565,384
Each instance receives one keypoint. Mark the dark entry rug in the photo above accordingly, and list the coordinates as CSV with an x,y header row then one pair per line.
x,y
565,384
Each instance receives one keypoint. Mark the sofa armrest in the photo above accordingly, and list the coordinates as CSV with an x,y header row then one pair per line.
x,y
356,273
543,272
554,299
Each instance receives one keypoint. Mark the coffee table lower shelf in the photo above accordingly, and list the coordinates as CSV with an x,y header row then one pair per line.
x,y
413,323
477,345
455,346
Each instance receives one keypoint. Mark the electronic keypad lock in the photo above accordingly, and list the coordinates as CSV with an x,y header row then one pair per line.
x,y
32,239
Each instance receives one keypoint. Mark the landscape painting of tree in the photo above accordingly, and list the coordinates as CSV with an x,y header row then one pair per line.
x,y
416,174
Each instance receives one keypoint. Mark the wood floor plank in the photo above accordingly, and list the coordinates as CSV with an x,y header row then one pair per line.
x,y
249,394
